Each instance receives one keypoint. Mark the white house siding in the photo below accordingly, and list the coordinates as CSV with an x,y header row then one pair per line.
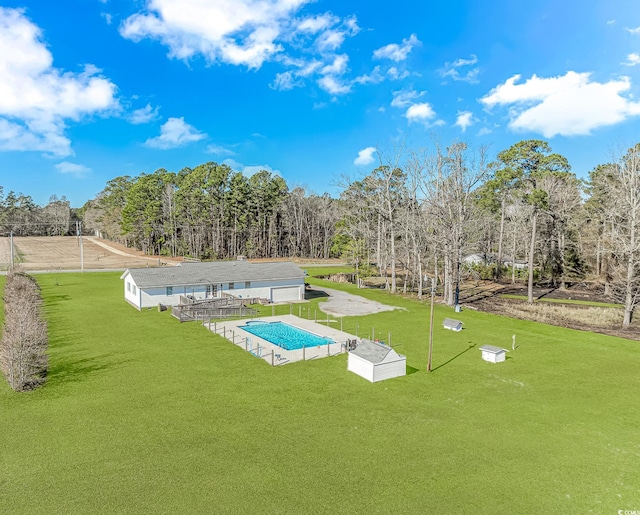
x,y
129,295
360,366
388,370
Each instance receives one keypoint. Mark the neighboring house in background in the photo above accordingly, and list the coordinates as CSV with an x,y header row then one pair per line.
x,y
276,282
490,258
518,264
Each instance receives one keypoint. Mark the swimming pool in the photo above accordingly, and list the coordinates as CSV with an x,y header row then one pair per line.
x,y
284,335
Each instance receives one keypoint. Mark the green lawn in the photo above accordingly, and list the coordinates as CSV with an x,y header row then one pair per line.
x,y
143,414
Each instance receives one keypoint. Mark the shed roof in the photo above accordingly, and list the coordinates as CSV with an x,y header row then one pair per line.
x,y
191,274
492,349
374,352
451,322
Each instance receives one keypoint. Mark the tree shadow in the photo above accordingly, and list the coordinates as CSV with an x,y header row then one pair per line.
x,y
454,357
67,372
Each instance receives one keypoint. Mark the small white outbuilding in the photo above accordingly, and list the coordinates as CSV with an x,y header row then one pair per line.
x,y
452,324
493,354
376,362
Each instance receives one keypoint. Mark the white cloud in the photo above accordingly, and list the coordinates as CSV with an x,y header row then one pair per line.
x,y
464,120
36,99
611,22
635,31
250,33
405,97
144,115
175,133
632,60
107,17
394,74
334,85
397,52
315,24
249,170
567,105
453,70
484,131
73,169
374,77
219,150
422,112
365,156
240,32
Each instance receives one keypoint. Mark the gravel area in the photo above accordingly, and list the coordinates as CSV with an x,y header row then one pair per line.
x,y
340,303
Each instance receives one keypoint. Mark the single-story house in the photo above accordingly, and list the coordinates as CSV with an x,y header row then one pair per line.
x,y
489,258
276,282
376,362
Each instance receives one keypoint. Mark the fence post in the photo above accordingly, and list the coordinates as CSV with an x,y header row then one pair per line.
x,y
327,319
233,336
315,315
300,310
304,353
356,330
389,339
224,331
273,310
290,308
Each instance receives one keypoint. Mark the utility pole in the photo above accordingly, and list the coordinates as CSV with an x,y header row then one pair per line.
x,y
79,230
433,295
11,245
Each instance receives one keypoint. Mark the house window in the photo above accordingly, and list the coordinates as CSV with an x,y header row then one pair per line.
x,y
231,286
169,290
128,286
133,289
247,284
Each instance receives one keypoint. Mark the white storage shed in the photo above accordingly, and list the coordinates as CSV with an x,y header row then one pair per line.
x,y
493,354
376,362
452,324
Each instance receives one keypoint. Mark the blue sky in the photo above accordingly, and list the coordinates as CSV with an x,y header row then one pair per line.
x,y
94,89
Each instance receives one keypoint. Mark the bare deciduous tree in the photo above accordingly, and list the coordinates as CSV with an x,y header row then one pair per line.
x,y
23,349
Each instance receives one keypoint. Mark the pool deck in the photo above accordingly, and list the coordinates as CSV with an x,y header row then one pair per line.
x,y
275,355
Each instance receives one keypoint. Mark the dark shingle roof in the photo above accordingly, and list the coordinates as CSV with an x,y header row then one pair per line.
x,y
192,274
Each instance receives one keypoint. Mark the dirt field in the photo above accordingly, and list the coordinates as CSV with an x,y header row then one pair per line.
x,y
63,253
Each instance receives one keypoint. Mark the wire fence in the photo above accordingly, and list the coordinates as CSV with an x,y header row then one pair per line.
x,y
273,354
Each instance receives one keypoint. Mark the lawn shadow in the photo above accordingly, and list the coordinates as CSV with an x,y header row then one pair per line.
x,y
455,357
411,370
67,372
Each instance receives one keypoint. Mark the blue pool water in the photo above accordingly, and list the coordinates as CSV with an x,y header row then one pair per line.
x,y
285,335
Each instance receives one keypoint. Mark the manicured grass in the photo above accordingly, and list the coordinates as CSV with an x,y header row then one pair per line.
x,y
563,301
143,414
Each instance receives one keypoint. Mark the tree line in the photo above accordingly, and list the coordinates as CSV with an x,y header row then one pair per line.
x,y
416,215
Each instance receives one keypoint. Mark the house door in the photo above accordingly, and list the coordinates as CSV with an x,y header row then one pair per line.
x,y
212,291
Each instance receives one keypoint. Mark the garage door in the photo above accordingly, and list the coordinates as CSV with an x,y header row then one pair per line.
x,y
285,294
